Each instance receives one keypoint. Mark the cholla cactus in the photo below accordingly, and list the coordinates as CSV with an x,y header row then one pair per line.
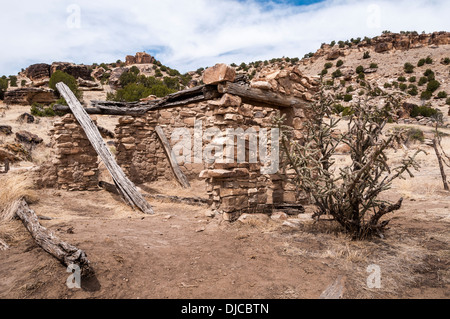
x,y
350,194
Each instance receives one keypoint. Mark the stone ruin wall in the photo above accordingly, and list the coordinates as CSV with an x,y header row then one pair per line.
x,y
231,187
74,166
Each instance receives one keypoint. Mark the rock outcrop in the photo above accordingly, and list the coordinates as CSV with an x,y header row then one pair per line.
x,y
28,96
219,73
139,58
77,71
37,71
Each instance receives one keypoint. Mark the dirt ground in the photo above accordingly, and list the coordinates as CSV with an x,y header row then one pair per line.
x,y
183,252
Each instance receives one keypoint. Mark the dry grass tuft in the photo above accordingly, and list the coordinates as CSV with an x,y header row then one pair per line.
x,y
14,188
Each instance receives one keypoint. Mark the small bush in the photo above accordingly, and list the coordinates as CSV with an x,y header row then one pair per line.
x,y
366,55
13,81
402,86
424,111
401,79
67,79
374,66
348,97
338,108
361,92
408,67
447,101
339,63
415,134
336,73
350,89
328,65
423,80
41,111
433,85
348,111
429,60
412,90
426,95
421,62
361,76
329,82
387,85
446,61
442,95
412,79
333,43
324,71
359,69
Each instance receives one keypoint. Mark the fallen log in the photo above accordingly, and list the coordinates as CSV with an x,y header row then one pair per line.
x,y
128,190
249,94
181,178
64,252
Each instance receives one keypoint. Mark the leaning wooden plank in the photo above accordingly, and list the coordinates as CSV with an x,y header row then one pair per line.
x,y
257,95
64,252
172,159
126,187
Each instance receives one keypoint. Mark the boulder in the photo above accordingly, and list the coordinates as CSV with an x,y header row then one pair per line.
x,y
38,71
26,118
28,96
5,129
219,73
28,138
383,46
333,55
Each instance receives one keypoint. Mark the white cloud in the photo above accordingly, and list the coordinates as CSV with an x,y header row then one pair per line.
x,y
190,34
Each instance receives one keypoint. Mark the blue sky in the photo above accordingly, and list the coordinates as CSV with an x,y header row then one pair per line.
x,y
190,34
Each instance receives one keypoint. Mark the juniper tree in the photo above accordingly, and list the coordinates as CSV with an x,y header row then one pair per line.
x,y
350,194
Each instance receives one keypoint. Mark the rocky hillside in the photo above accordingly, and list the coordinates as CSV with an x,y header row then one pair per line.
x,y
414,68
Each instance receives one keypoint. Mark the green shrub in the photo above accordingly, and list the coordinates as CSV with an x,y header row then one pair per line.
x,y
172,83
333,43
361,76
424,111
415,134
442,95
412,79
158,74
433,85
446,61
329,82
324,71
3,87
328,65
336,73
359,69
41,111
401,79
395,84
423,80
412,90
421,62
366,55
13,81
348,97
67,79
23,83
447,101
408,67
339,63
387,85
402,86
373,66
426,95
200,71
361,92
348,111
350,89
341,44
338,108
429,60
